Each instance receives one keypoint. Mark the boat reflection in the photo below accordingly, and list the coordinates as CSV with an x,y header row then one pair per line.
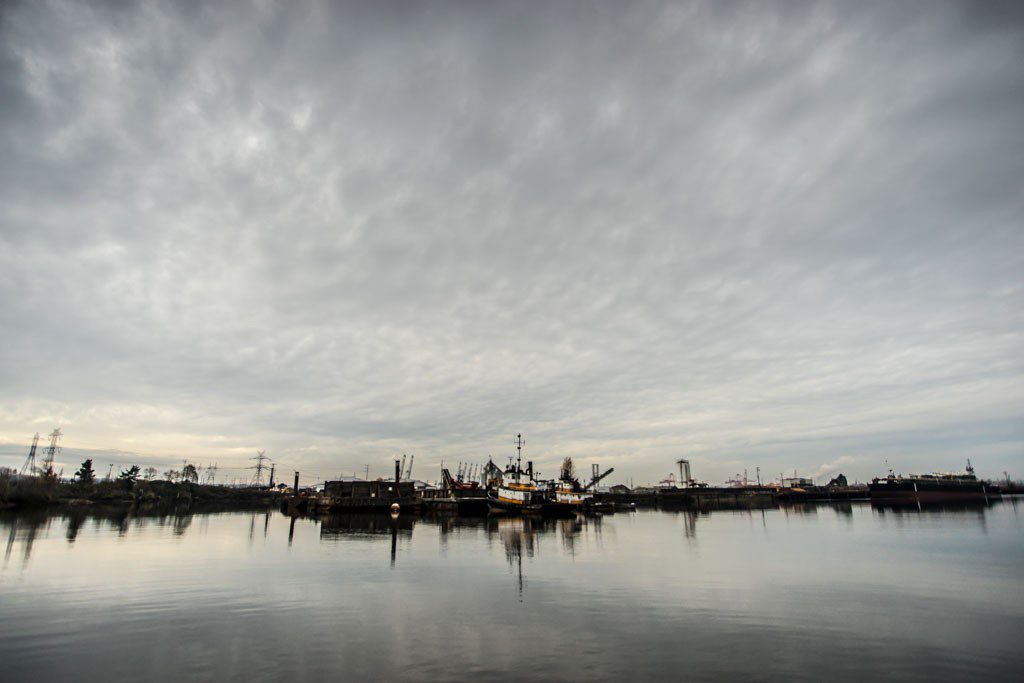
x,y
519,536
354,526
915,507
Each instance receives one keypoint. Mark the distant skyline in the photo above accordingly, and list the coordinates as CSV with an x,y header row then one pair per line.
x,y
748,234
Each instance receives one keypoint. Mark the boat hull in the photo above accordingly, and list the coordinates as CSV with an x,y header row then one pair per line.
x,y
543,509
500,507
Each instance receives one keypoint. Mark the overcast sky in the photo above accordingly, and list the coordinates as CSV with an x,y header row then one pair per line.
x,y
782,236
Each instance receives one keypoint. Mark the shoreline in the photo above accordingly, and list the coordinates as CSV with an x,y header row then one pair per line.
x,y
36,493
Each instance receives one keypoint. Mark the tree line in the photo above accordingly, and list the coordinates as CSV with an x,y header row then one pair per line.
x,y
129,475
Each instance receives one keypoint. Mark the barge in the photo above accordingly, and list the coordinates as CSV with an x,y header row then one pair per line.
x,y
938,487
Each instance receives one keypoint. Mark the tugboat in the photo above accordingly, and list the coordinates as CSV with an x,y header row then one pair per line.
x,y
517,493
569,491
939,487
567,488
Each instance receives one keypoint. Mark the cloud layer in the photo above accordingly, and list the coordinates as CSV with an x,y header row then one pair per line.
x,y
749,235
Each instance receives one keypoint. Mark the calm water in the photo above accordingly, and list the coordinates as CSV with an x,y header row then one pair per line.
x,y
834,592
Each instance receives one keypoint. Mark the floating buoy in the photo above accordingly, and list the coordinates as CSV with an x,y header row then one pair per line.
x,y
395,507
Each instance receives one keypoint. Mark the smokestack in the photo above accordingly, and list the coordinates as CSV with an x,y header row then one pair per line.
x,y
529,468
398,473
296,487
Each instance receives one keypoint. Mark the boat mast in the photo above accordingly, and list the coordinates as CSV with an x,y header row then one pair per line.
x,y
519,455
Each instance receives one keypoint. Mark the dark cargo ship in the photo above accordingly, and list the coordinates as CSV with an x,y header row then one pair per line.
x,y
940,487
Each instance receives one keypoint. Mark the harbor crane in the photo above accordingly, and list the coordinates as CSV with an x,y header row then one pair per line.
x,y
684,473
597,476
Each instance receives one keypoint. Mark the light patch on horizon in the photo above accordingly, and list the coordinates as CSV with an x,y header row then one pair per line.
x,y
786,237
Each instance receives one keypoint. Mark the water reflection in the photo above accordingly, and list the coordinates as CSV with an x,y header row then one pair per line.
x,y
24,527
28,525
689,520
902,514
974,507
843,509
799,509
614,592
520,536
352,526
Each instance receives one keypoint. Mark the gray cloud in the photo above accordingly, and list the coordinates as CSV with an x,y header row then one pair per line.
x,y
753,235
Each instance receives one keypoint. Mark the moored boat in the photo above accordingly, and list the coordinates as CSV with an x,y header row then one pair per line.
x,y
518,494
938,487
514,498
567,489
515,493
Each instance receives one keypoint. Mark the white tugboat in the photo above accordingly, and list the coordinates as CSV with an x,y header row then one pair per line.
x,y
517,493
568,489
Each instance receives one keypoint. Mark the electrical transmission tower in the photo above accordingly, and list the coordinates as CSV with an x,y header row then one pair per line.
x,y
210,474
51,451
260,459
30,463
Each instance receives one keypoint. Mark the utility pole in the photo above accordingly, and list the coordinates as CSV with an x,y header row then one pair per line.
x,y
30,462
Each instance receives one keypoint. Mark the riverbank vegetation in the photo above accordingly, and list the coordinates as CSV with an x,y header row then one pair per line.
x,y
130,487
